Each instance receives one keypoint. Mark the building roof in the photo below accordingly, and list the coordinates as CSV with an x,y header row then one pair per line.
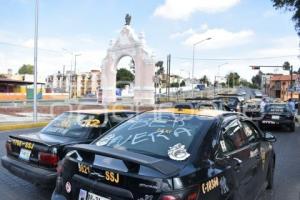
x,y
283,77
18,82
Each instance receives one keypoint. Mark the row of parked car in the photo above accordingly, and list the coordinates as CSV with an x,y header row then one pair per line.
x,y
206,151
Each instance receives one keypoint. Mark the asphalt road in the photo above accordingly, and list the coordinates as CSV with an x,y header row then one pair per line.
x,y
287,173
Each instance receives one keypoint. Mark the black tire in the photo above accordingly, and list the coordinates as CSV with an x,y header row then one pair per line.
x,y
292,127
270,176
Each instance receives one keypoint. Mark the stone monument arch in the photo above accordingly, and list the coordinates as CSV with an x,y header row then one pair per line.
x,y
129,44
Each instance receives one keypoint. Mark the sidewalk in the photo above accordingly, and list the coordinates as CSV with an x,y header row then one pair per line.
x,y
23,121
23,117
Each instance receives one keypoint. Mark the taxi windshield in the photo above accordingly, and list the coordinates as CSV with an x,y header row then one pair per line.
x,y
74,125
155,134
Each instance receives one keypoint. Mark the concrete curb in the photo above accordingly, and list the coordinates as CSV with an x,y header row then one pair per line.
x,y
10,127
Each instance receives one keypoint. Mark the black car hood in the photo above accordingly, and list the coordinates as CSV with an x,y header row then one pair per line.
x,y
47,139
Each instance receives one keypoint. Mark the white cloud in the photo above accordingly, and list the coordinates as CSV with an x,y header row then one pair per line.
x,y
221,38
51,57
288,45
188,32
46,43
179,9
182,34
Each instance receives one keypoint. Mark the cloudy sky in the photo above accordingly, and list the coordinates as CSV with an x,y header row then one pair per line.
x,y
243,32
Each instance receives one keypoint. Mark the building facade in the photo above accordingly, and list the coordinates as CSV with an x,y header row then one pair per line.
x,y
77,85
280,85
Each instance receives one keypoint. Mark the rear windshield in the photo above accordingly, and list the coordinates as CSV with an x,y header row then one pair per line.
x,y
156,135
74,125
231,101
277,108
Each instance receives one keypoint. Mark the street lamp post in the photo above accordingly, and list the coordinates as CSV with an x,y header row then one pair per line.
x,y
194,45
75,56
218,76
35,60
71,73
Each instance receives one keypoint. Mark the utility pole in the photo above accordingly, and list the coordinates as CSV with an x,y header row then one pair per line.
x,y
168,75
193,66
75,73
291,73
35,60
218,76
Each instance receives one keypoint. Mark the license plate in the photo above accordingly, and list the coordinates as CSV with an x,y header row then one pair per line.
x,y
268,122
25,154
275,117
92,196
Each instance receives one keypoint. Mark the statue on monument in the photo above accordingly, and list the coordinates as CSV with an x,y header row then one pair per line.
x,y
127,19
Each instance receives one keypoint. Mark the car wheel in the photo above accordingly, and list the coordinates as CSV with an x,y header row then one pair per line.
x,y
270,176
292,127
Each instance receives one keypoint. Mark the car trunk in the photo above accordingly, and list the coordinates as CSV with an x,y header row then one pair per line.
x,y
106,173
276,115
34,149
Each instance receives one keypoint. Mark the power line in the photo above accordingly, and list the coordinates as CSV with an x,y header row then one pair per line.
x,y
237,59
25,47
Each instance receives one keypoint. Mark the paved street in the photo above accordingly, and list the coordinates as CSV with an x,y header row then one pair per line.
x,y
13,188
287,174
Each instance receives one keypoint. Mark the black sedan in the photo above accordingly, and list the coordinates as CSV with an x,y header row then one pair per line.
x,y
171,154
34,157
233,101
278,115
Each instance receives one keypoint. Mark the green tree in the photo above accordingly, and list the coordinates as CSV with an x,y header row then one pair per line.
x,y
204,80
182,84
175,84
244,82
160,68
257,79
132,65
286,66
26,69
124,77
3,76
292,6
233,79
159,72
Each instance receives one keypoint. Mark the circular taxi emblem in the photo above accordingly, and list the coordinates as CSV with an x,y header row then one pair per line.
x,y
178,152
68,187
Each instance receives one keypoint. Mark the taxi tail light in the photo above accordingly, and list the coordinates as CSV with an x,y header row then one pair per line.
x,y
183,195
192,196
169,197
48,159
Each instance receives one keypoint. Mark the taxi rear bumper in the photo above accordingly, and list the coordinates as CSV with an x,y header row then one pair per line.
x,y
35,175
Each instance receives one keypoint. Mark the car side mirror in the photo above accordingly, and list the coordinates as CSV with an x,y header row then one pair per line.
x,y
269,137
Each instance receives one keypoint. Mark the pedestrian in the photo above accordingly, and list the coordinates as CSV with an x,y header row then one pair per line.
x,y
291,104
263,104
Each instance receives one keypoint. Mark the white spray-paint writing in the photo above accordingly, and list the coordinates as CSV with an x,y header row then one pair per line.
x,y
148,130
143,137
